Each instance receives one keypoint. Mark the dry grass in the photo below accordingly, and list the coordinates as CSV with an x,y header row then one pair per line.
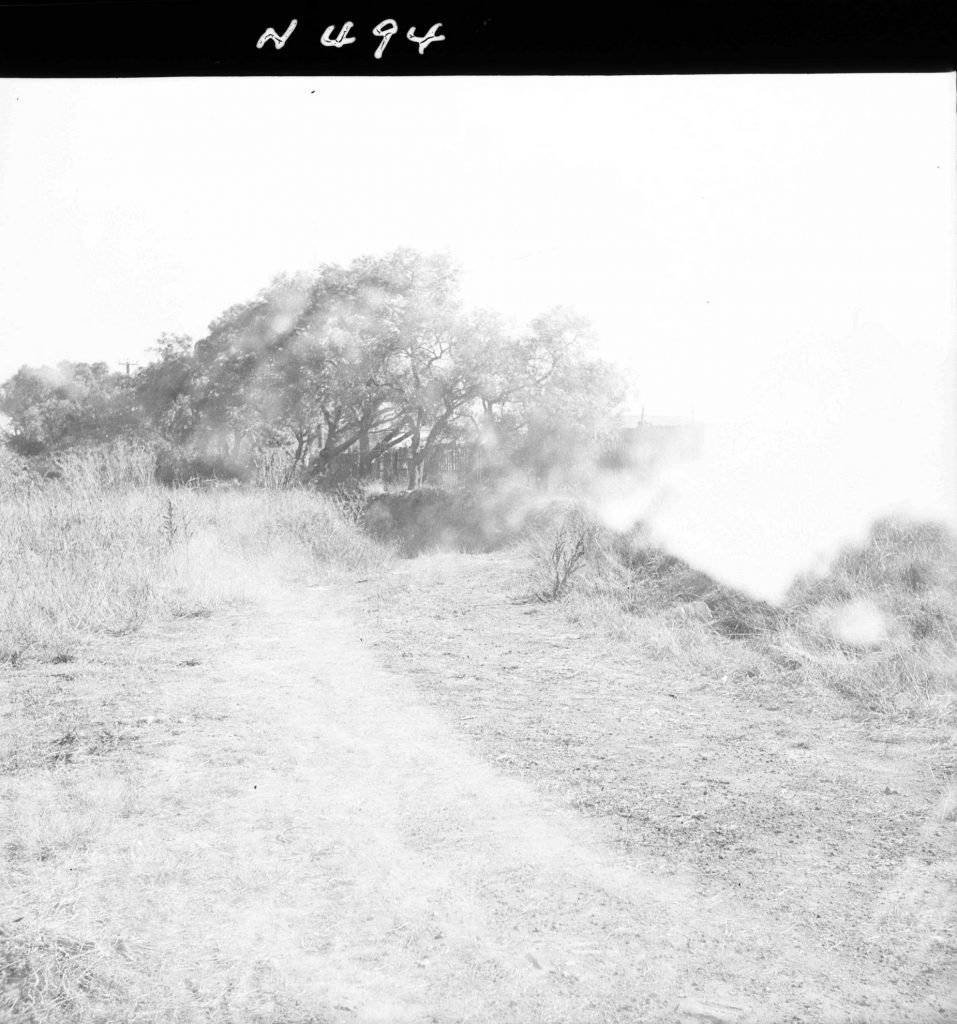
x,y
126,765
696,747
879,627
101,549
106,869
99,687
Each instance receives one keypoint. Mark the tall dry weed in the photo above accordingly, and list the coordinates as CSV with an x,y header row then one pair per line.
x,y
101,549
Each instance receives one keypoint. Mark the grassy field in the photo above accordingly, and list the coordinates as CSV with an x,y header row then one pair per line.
x,y
165,758
102,549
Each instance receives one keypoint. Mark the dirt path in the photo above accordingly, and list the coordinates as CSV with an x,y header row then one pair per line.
x,y
299,834
416,882
391,873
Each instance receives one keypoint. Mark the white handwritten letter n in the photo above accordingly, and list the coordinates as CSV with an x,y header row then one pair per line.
x,y
270,36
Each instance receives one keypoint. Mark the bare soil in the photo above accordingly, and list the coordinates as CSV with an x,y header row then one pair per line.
x,y
412,799
816,843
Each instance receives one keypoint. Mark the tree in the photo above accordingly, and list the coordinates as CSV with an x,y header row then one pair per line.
x,y
542,398
321,360
430,376
164,389
73,403
357,360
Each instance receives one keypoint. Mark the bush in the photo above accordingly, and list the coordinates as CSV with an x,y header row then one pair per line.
x,y
430,518
349,500
565,556
175,467
16,473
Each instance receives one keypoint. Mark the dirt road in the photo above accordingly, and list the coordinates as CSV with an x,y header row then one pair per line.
x,y
253,818
390,872
393,875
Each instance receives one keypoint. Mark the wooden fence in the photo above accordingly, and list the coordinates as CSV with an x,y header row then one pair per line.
x,y
450,463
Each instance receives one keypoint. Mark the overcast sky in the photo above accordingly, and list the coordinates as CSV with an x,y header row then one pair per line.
x,y
753,246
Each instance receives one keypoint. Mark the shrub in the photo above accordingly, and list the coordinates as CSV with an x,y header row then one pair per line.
x,y
563,556
17,474
430,518
349,500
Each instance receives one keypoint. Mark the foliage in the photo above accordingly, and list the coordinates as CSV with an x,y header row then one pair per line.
x,y
72,404
430,518
360,358
543,401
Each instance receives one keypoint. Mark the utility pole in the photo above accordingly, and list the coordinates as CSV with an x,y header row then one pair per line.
x,y
128,364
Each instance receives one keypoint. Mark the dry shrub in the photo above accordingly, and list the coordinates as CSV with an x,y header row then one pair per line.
x,y
262,523
275,468
349,500
563,556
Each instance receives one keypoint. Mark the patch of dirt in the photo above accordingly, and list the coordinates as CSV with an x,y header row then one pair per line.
x,y
407,800
800,833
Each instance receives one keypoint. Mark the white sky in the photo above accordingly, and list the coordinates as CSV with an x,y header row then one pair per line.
x,y
755,246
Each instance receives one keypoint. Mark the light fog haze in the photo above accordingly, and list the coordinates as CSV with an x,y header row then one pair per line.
x,y
771,256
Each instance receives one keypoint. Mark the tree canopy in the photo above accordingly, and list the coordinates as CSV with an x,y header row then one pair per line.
x,y
363,358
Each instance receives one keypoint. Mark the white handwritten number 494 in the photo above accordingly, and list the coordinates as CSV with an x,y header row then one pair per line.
x,y
385,30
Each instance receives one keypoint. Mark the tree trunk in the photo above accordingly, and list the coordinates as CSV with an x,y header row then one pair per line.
x,y
301,440
416,470
436,433
363,453
415,474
